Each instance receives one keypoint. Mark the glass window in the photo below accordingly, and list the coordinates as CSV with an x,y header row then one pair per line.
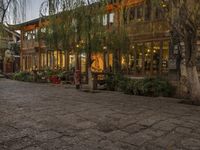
x,y
59,59
83,63
111,18
105,20
159,14
132,13
98,62
147,58
72,61
165,57
139,12
63,59
110,60
139,58
55,59
156,58
148,10
49,59
29,35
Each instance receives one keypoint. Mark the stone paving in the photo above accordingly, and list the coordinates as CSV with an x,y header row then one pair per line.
x,y
49,117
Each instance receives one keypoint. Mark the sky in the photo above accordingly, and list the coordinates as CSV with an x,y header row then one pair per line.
x,y
33,9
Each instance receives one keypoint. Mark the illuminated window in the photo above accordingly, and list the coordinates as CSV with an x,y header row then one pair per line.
x,y
55,59
98,62
63,59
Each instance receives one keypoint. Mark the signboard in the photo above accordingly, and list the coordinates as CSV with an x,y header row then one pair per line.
x,y
172,64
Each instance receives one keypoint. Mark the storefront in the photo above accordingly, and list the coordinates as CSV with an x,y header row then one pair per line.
x,y
147,59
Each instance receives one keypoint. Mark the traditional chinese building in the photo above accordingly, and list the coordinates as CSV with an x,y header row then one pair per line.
x,y
8,46
152,52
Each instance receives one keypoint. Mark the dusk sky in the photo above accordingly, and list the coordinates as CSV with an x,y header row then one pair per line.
x,y
33,7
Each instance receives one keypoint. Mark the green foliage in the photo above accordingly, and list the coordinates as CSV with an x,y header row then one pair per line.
x,y
144,87
49,72
113,82
39,76
22,76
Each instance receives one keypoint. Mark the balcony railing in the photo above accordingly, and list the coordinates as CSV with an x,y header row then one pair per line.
x,y
147,27
29,44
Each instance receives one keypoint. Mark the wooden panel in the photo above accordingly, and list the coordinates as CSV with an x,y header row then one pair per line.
x,y
111,7
145,28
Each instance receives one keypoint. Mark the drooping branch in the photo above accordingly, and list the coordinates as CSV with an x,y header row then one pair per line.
x,y
4,9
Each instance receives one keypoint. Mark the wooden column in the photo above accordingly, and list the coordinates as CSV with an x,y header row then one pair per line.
x,y
151,67
161,58
21,49
143,59
135,57
67,60
47,58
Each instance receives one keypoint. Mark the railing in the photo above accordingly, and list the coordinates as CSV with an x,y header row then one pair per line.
x,y
147,27
30,44
42,43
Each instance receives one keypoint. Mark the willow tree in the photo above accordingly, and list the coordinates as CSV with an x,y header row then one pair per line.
x,y
183,17
12,10
77,25
119,39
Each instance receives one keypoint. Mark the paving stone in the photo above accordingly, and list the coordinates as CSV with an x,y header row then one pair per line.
x,y
33,148
164,125
54,144
191,143
117,135
19,143
151,120
183,130
168,141
47,135
137,139
149,146
153,132
42,116
134,128
125,146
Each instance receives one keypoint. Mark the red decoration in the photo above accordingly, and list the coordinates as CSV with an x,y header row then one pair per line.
x,y
55,79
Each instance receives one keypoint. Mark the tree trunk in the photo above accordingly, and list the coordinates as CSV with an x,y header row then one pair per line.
x,y
89,71
117,63
194,84
90,79
191,56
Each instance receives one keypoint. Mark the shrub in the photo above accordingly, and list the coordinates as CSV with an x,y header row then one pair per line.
x,y
115,82
157,87
21,76
143,87
62,75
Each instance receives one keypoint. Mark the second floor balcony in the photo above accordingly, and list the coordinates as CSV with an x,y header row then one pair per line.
x,y
31,44
147,28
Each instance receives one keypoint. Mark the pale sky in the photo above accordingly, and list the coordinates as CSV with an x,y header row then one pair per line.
x,y
33,8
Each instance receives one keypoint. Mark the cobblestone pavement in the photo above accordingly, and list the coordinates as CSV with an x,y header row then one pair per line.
x,y
49,117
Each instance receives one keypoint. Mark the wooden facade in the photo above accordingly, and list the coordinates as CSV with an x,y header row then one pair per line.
x,y
150,54
8,43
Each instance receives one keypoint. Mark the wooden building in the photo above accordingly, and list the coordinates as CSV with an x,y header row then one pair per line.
x,y
8,44
151,52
